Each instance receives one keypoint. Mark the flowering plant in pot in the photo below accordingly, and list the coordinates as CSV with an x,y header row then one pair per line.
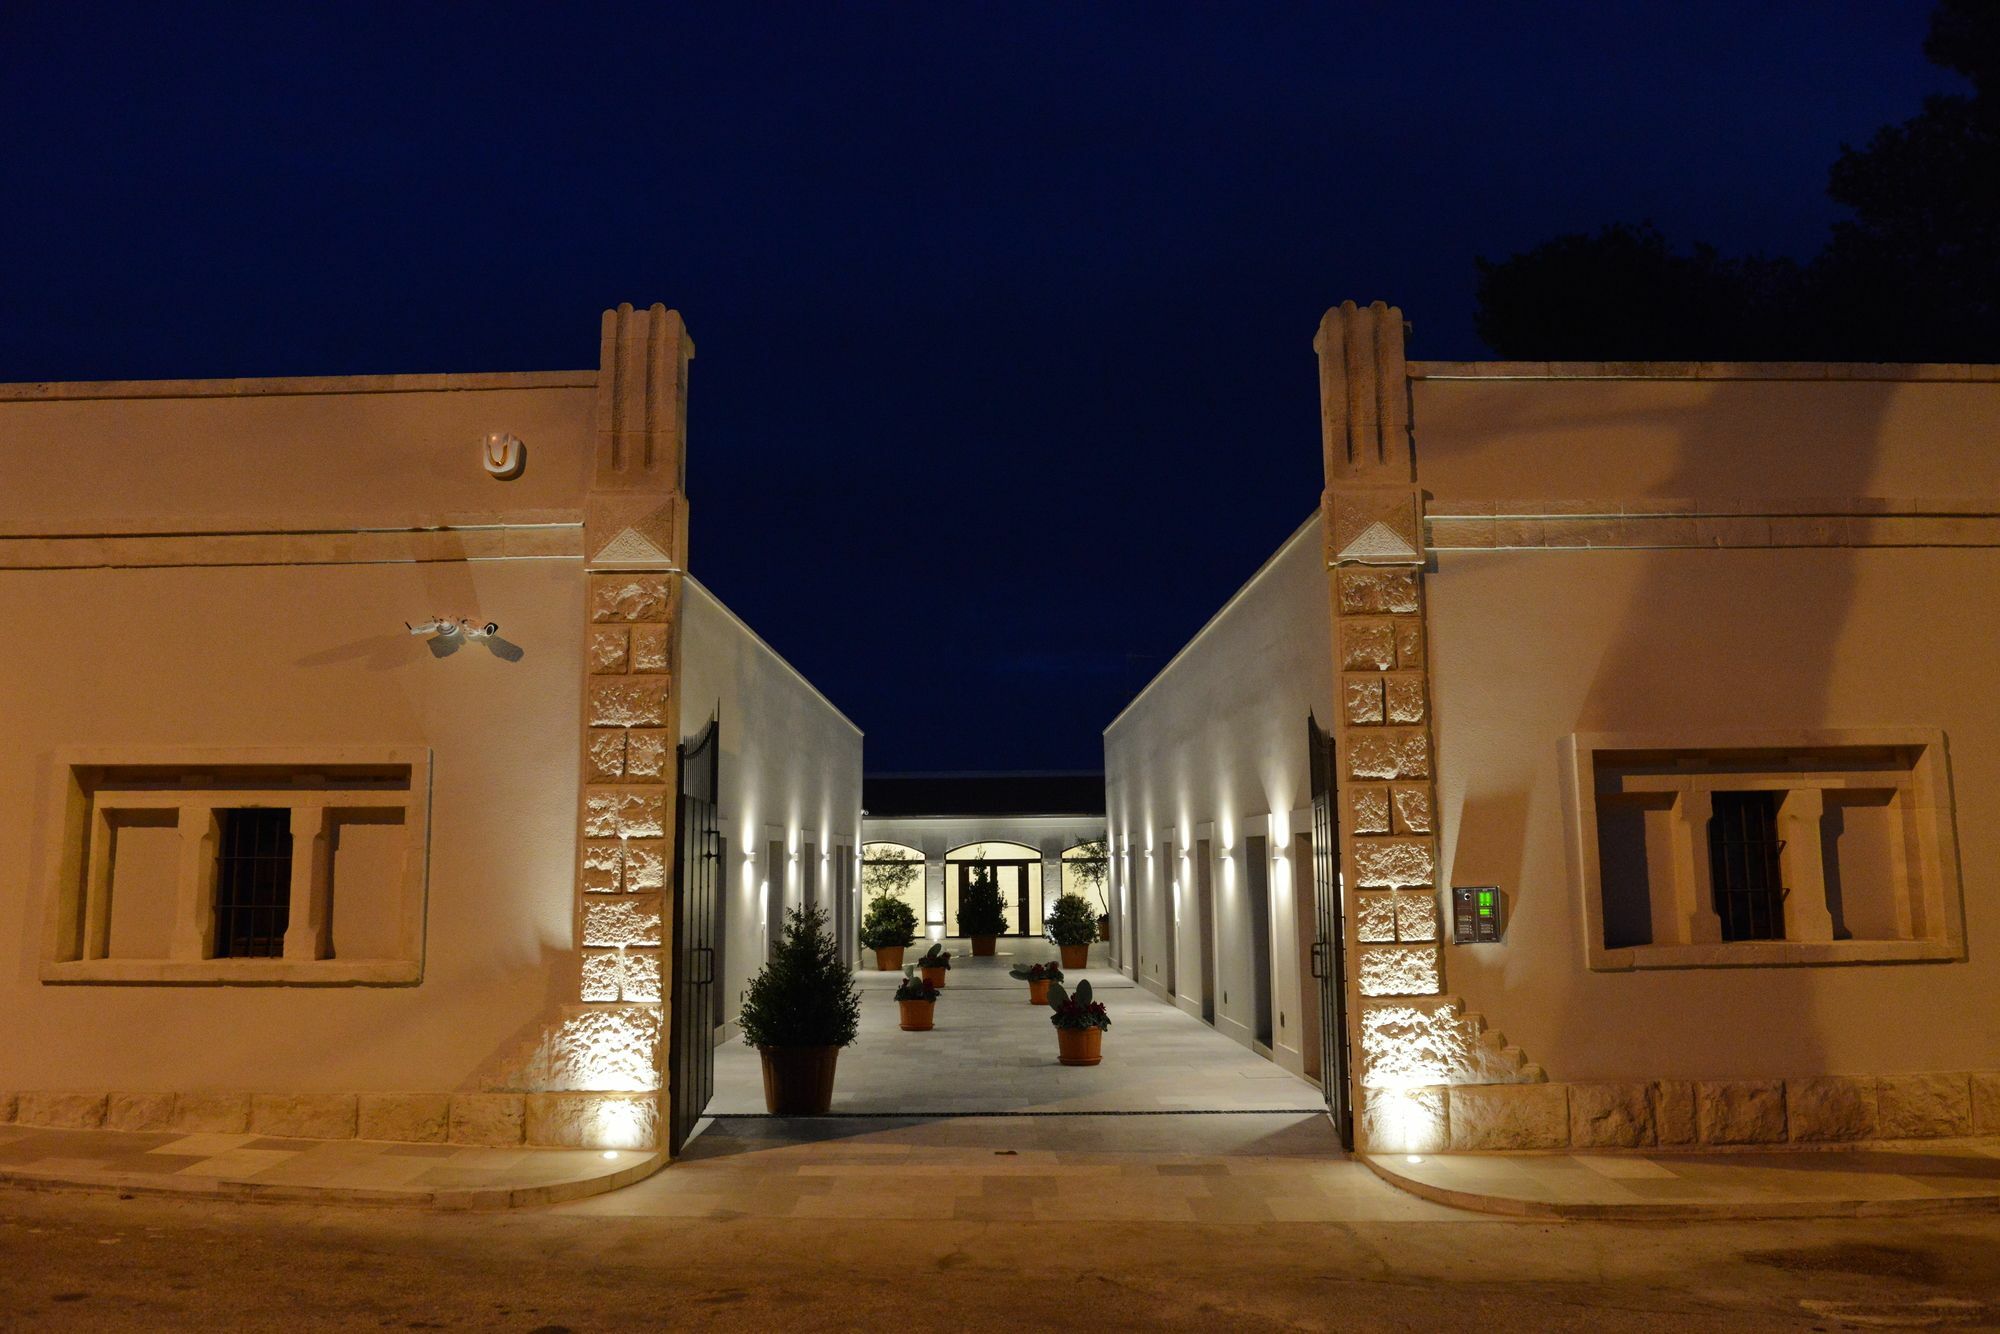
x,y
1072,926
1080,1023
1037,976
888,927
935,963
982,913
800,1010
916,1001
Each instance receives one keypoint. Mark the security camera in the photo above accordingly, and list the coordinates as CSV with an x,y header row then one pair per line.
x,y
486,631
436,625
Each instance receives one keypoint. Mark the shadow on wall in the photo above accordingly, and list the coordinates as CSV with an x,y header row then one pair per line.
x,y
1694,645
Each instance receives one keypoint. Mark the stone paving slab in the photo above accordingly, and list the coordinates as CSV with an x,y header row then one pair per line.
x,y
254,1167
1921,1177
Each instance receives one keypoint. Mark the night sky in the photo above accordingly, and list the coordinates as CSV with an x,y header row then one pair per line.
x,y
1004,313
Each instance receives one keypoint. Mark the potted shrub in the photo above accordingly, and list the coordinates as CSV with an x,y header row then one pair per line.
x,y
801,1009
982,913
888,927
916,1001
934,965
1080,1023
1072,926
1037,976
1104,926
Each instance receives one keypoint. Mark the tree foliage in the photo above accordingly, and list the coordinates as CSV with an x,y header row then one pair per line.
x,y
805,996
981,909
1913,274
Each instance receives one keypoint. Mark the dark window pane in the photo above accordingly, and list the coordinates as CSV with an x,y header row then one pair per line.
x,y
1744,866
253,882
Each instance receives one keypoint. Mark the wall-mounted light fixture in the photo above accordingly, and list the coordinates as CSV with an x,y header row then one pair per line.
x,y
503,455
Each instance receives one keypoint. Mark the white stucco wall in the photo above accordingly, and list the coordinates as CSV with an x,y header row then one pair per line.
x,y
790,771
1215,749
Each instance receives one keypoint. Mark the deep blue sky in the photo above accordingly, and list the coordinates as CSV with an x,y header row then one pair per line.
x,y
1004,312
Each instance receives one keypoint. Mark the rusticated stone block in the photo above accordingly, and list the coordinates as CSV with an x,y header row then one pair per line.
x,y
1673,1111
1924,1106
649,648
1413,807
1985,1104
494,1120
1509,1116
1375,918
212,1113
1392,863
593,1120
1363,700
623,701
1740,1111
1368,592
1368,809
1410,643
1404,1120
62,1111
139,1111
624,813
632,919
647,755
609,650
303,1115
603,866
1367,646
1405,697
1829,1107
1416,1041
1388,754
1399,970
406,1118
1416,917
621,975
607,754
1611,1115
10,1106
628,597
645,866
604,1048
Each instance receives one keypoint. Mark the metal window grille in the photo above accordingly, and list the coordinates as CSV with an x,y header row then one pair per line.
x,y
253,882
1744,866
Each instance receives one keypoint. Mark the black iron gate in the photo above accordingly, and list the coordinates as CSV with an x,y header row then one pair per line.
x,y
1329,954
697,865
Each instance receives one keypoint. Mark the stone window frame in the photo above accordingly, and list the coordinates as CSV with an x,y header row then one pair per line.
x,y
76,919
1932,894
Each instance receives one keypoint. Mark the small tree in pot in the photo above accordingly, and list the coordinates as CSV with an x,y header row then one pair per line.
x,y
888,927
1080,1023
1072,926
890,924
916,1002
982,913
801,1009
1037,976
935,963
1089,862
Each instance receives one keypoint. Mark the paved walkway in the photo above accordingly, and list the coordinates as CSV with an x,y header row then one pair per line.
x,y
992,1052
344,1171
1278,1167
1951,1176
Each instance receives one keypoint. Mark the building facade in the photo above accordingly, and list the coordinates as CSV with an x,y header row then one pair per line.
x,y
275,862
1648,711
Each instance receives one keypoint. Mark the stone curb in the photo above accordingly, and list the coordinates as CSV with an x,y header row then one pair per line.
x,y
1515,1206
449,1199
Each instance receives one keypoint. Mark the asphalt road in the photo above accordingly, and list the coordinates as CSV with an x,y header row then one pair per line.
x,y
94,1262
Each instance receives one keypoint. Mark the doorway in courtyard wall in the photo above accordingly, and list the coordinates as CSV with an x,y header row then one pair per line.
x,y
1015,868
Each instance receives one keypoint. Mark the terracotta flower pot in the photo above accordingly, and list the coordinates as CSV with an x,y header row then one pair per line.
x,y
1104,928
936,976
1075,956
982,947
1038,992
798,1081
1080,1046
917,1015
889,959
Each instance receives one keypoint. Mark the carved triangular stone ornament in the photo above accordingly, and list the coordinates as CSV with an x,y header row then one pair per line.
x,y
630,547
1378,543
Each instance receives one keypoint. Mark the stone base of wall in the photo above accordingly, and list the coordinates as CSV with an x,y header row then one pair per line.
x,y
537,1120
1683,1114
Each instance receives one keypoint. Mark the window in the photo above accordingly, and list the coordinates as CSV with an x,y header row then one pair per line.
x,y
1753,848
253,882
1743,848
251,866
